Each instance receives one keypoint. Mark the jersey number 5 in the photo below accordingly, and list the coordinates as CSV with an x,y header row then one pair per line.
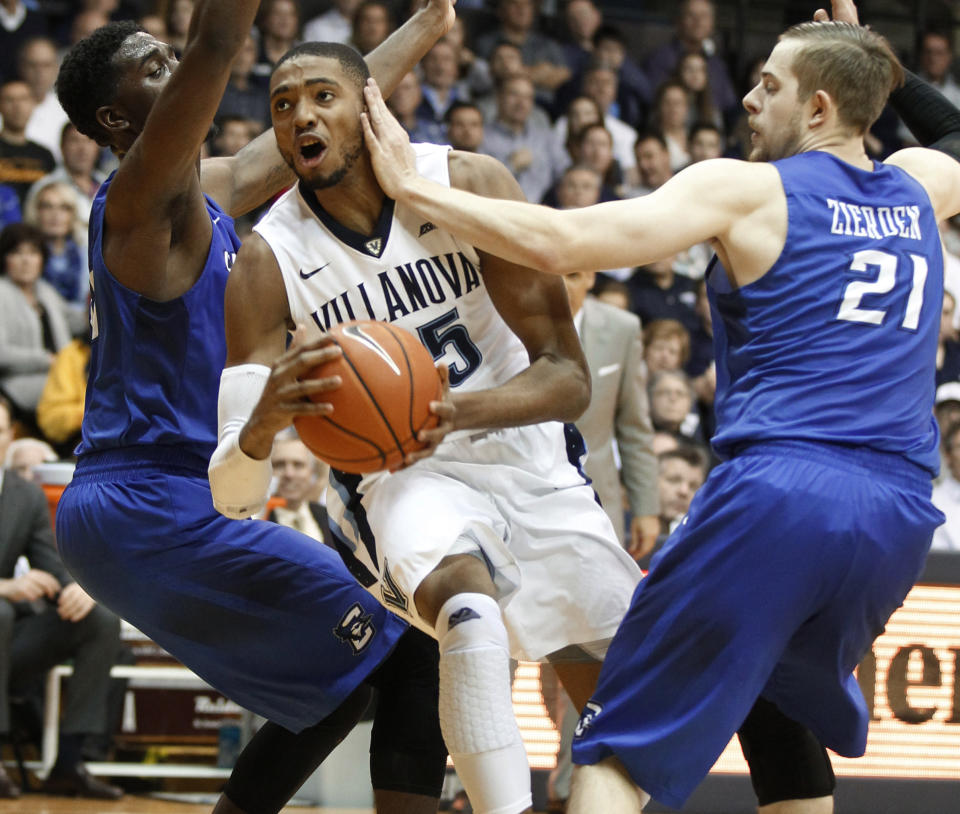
x,y
886,279
445,334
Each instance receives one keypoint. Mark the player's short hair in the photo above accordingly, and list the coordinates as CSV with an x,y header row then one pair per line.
x,y
460,105
349,58
853,64
88,77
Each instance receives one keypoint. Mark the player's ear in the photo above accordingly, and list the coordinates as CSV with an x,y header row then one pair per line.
x,y
111,119
821,105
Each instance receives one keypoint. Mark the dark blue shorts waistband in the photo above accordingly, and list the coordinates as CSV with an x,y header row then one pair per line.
x,y
888,465
126,462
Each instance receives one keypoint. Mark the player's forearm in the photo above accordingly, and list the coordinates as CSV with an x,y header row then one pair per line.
x,y
526,234
221,25
551,389
394,58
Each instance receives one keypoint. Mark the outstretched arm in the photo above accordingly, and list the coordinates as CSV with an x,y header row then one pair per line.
x,y
697,205
159,166
244,181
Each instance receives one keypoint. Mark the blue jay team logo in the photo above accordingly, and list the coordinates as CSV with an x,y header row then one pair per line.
x,y
590,711
355,628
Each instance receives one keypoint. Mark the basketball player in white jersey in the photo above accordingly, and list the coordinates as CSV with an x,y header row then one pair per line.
x,y
490,539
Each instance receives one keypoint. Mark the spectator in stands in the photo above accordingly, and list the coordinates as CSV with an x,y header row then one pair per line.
x,y
177,23
299,478
673,404
946,406
37,65
666,345
527,150
600,83
372,24
612,291
705,142
948,348
22,162
664,442
506,61
278,23
247,94
671,112
657,292
441,86
334,25
618,413
693,75
60,409
542,55
405,103
464,126
946,493
581,111
579,186
233,133
33,318
54,211
696,32
26,453
69,625
472,70
682,472
936,63
18,23
653,163
593,147
582,19
738,132
81,155
634,91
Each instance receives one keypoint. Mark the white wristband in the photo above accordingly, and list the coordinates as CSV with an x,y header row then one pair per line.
x,y
239,484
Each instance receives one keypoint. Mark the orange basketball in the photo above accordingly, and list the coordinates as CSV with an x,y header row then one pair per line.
x,y
388,381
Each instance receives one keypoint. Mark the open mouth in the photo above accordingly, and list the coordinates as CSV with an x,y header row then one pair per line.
x,y
311,150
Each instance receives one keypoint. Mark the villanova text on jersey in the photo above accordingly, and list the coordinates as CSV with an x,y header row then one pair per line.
x,y
403,290
837,342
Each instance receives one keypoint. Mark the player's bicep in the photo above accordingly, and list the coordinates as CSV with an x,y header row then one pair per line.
x,y
248,179
937,172
255,306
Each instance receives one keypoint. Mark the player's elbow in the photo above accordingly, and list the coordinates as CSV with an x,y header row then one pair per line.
x,y
577,392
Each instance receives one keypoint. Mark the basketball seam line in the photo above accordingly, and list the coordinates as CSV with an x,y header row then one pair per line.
x,y
373,400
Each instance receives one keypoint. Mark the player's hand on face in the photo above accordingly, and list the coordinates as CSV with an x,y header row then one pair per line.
x,y
288,389
392,156
844,11
74,603
445,412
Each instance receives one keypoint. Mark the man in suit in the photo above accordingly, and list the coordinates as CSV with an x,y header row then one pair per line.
x,y
618,412
45,619
300,477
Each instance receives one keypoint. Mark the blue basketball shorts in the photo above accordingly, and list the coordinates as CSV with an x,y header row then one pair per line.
x,y
264,614
787,567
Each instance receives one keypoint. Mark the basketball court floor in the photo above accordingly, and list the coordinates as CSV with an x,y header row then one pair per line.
x,y
40,804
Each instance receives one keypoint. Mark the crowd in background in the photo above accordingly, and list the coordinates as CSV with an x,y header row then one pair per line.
x,y
557,93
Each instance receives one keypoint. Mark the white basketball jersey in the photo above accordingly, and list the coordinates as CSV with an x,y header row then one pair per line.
x,y
408,272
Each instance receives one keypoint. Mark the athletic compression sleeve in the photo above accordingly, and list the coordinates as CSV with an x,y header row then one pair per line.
x,y
931,117
240,485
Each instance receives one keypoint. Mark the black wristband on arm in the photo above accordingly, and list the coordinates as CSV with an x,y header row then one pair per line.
x,y
930,116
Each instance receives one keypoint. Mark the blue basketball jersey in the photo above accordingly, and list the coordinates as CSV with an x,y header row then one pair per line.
x,y
837,342
155,366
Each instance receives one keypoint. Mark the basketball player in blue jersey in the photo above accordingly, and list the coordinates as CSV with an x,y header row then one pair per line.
x,y
261,612
826,293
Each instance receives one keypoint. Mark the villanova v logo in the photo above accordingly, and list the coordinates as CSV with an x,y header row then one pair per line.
x,y
374,246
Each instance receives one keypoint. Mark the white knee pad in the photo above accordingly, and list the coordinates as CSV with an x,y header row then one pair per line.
x,y
476,711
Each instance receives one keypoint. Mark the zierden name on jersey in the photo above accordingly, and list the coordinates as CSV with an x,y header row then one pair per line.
x,y
398,291
862,220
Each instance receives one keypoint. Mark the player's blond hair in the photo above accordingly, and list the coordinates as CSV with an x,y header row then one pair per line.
x,y
854,65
